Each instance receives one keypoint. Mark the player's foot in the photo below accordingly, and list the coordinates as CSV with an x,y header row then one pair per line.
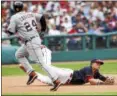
x,y
32,77
57,84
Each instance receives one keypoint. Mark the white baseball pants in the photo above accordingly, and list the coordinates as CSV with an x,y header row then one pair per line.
x,y
64,75
37,53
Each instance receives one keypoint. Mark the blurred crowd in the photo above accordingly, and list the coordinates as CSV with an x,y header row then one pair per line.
x,y
70,17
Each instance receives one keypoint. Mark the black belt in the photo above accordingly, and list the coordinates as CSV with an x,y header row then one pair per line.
x,y
26,41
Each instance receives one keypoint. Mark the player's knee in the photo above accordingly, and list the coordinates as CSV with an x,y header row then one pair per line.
x,y
40,62
17,55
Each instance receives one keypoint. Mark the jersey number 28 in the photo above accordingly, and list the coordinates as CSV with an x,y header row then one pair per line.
x,y
28,26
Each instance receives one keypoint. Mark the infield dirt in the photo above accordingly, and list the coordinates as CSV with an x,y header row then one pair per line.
x,y
17,85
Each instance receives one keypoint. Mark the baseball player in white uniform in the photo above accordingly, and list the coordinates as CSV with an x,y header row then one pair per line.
x,y
64,74
25,23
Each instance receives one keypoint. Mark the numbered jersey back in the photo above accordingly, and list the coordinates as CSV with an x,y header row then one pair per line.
x,y
26,24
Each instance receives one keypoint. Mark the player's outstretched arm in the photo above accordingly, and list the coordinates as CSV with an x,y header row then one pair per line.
x,y
95,82
108,81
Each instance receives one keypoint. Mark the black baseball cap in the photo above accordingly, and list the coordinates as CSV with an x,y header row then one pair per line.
x,y
97,61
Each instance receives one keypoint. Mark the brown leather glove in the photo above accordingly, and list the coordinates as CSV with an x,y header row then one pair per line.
x,y
109,81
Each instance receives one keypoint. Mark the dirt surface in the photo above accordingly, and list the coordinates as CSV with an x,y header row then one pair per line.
x,y
17,84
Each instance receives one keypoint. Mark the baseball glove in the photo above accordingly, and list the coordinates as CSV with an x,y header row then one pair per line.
x,y
109,81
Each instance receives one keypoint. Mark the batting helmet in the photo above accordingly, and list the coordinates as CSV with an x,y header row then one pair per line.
x,y
18,6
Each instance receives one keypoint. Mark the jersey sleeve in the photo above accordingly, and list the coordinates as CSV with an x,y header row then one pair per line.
x,y
12,25
99,76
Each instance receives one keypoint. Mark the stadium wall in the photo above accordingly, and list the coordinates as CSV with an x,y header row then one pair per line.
x,y
8,55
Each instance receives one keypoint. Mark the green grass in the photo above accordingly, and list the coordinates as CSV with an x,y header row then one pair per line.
x,y
57,93
110,67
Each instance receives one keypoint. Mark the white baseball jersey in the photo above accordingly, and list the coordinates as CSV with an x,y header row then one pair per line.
x,y
25,23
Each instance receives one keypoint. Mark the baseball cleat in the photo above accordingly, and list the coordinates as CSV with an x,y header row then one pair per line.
x,y
31,78
57,84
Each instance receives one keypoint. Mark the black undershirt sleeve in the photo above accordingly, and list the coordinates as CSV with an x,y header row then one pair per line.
x,y
43,23
99,76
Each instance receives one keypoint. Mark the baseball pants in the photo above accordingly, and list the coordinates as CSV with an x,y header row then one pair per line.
x,y
64,75
38,53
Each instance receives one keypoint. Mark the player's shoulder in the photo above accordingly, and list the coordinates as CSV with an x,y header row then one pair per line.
x,y
13,17
87,68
